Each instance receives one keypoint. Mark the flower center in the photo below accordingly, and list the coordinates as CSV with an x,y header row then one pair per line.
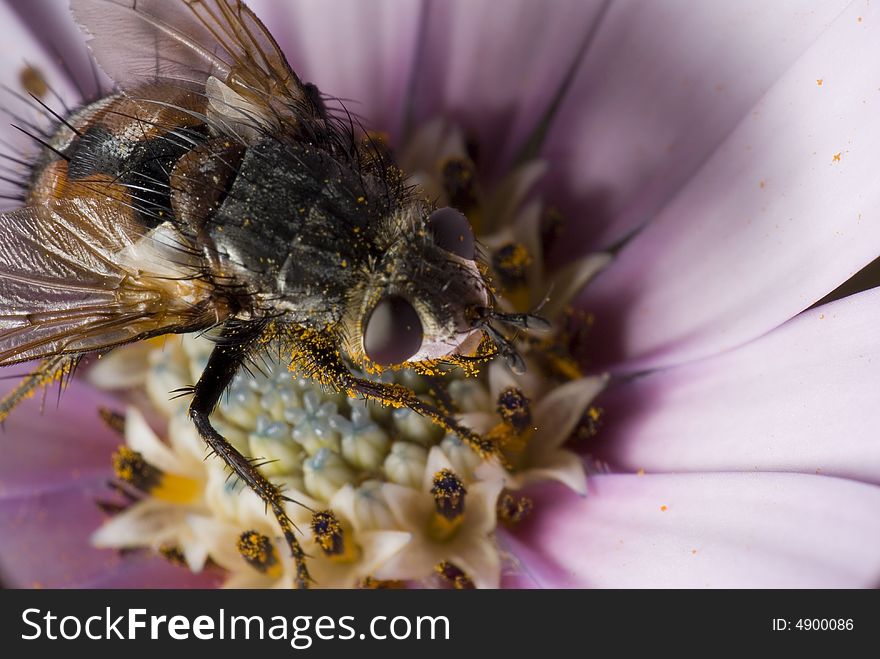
x,y
312,441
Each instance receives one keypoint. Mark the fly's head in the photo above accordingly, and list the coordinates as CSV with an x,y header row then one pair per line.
x,y
426,296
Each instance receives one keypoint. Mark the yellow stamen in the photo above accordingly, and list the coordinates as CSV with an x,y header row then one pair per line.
x,y
514,408
512,510
552,222
590,423
259,552
454,575
369,583
330,537
449,497
511,262
459,182
449,494
113,420
173,554
131,467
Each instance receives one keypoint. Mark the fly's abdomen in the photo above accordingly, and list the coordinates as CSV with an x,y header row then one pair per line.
x,y
114,162
123,147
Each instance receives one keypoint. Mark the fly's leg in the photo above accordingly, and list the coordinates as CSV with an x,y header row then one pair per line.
x,y
224,362
318,356
52,369
396,395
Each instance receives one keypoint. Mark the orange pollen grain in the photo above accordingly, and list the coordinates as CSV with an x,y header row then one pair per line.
x,y
664,508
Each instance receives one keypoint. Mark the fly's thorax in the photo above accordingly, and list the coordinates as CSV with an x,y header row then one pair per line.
x,y
296,230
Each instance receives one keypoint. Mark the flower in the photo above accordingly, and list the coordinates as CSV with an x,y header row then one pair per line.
x,y
449,527
693,144
533,432
174,478
253,558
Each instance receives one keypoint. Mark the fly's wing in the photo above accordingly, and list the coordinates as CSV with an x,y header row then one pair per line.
x,y
217,46
70,281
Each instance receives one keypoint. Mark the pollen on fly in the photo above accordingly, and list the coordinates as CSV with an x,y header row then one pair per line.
x,y
217,191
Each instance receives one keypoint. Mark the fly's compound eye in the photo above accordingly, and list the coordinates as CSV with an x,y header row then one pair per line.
x,y
393,331
452,232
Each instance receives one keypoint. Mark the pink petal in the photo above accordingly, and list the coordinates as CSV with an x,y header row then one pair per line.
x,y
54,467
660,88
513,578
44,542
362,52
149,571
18,50
783,212
50,23
58,446
803,398
704,531
497,69
44,537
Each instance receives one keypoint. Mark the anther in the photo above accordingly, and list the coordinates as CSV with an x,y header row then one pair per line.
x,y
369,583
589,424
459,183
113,420
328,533
258,551
514,408
454,575
552,222
130,467
173,554
512,510
510,262
449,494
